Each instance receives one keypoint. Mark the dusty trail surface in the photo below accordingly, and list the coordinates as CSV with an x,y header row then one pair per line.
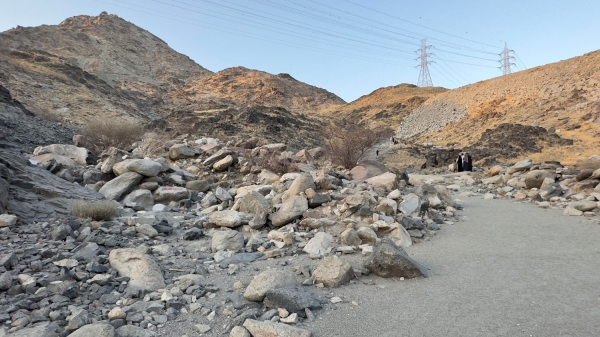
x,y
509,270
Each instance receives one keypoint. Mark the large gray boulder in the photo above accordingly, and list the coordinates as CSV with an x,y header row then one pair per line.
x,y
142,270
333,272
290,210
411,204
34,332
139,200
267,280
227,240
181,151
388,260
166,194
94,330
114,189
145,167
77,154
223,164
535,178
271,329
34,194
253,202
551,190
317,246
227,218
292,299
300,184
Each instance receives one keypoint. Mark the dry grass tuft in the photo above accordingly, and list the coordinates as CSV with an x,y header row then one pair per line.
x,y
94,209
152,144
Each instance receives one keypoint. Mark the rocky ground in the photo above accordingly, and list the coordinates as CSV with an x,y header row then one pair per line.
x,y
207,241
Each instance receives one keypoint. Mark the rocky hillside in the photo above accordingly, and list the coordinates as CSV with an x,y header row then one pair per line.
x,y
240,86
563,98
387,106
21,131
88,67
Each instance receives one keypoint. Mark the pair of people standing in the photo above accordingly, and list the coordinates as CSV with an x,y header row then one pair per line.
x,y
464,162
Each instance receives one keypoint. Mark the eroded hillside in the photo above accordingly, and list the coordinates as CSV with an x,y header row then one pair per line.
x,y
563,98
387,106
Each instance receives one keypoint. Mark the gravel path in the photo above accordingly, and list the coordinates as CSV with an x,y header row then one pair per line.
x,y
510,270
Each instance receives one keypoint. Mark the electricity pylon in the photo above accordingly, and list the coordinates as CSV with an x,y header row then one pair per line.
x,y
505,60
424,76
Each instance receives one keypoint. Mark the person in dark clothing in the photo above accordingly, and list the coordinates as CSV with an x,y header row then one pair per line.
x,y
459,163
467,162
377,152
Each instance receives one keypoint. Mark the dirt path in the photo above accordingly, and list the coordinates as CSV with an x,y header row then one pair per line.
x,y
510,270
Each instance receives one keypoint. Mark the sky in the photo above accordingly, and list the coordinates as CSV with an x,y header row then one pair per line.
x,y
349,47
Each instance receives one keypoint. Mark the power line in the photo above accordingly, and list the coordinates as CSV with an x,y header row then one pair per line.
x,y
416,24
519,59
448,73
451,83
440,42
253,36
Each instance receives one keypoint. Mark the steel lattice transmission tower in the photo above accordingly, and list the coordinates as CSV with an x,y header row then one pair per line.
x,y
505,60
424,76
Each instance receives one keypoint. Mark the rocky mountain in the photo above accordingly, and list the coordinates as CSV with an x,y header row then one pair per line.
x,y
88,66
386,106
562,98
242,87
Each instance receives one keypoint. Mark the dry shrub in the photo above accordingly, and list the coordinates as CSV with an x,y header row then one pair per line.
x,y
113,132
152,144
48,116
348,143
94,209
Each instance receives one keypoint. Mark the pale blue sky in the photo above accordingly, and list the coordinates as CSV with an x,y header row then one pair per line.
x,y
349,47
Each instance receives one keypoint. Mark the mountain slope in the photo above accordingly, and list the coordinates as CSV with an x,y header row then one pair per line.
x,y
387,106
562,97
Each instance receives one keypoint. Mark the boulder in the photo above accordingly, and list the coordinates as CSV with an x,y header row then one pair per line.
x,y
34,332
535,178
585,174
95,330
110,157
78,155
550,190
267,280
316,223
227,218
7,220
523,165
271,329
143,272
367,169
317,246
292,299
388,260
139,200
300,184
584,205
253,202
387,179
166,194
495,170
411,204
366,234
266,177
227,240
217,156
333,272
223,164
181,151
121,185
145,167
351,238
198,185
239,331
290,210
387,206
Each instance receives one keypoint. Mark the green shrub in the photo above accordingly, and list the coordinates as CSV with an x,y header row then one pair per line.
x,y
94,209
